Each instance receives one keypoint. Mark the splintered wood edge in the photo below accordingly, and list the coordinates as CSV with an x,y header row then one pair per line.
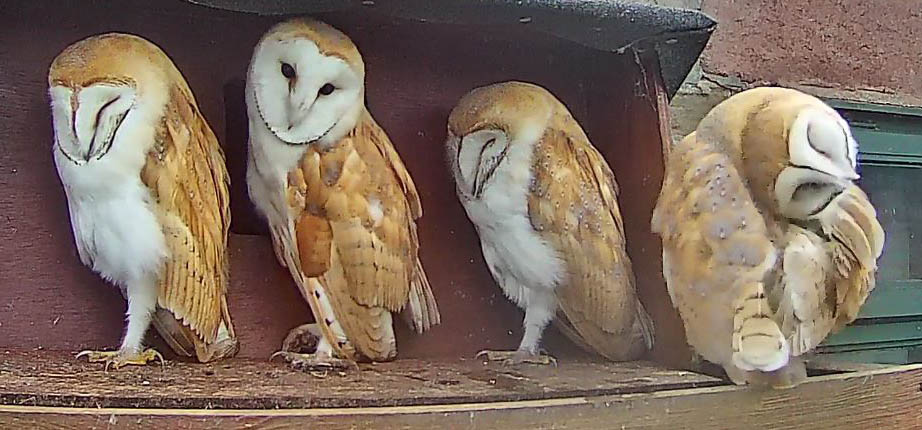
x,y
884,398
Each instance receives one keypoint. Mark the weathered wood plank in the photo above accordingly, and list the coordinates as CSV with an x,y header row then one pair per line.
x,y
883,398
55,379
826,364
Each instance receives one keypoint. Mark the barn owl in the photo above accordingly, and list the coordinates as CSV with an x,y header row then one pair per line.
x,y
768,245
340,204
147,193
544,203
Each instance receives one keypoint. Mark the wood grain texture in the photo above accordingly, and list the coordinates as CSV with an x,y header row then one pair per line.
x,y
416,73
883,398
56,379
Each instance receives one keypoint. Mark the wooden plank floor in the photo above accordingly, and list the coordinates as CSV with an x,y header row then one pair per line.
x,y
888,398
41,378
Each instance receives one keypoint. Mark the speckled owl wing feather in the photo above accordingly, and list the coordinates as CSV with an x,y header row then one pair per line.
x,y
717,252
357,235
189,183
573,205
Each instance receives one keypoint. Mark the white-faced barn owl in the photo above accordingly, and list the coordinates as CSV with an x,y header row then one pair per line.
x,y
544,203
147,192
768,245
339,202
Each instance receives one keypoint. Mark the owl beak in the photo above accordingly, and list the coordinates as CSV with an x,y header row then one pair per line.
x,y
853,175
846,174
298,111
97,117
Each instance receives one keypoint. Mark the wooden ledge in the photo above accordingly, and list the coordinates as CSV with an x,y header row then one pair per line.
x,y
57,379
55,390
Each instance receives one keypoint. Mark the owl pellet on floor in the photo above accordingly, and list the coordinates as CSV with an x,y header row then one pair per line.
x,y
340,204
147,192
768,245
544,203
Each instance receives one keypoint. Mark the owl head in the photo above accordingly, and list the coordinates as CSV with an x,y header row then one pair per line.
x,y
103,87
487,122
306,82
797,152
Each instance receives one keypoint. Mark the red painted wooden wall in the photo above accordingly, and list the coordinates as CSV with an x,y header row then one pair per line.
x,y
415,74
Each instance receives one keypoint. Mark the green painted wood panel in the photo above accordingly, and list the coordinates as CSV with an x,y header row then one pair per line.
x,y
889,327
892,299
880,356
879,332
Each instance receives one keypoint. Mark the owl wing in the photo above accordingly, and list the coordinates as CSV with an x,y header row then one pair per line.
x,y
188,180
422,311
717,252
827,280
356,236
573,206
806,307
858,241
370,130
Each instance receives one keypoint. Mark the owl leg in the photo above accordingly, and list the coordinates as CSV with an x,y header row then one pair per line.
x,y
142,301
538,314
308,337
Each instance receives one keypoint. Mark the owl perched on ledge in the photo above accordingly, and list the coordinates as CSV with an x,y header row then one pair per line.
x,y
544,203
768,245
147,192
340,204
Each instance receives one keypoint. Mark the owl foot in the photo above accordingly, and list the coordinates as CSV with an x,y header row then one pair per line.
x,y
118,359
303,338
314,362
224,349
512,358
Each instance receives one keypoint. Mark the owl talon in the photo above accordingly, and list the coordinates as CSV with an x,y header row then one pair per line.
x,y
119,359
303,338
313,362
514,358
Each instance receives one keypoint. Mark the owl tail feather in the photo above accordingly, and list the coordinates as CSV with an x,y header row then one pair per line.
x,y
644,324
421,312
758,343
185,342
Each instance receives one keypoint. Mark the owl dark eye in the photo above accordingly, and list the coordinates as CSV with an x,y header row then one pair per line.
x,y
327,89
288,71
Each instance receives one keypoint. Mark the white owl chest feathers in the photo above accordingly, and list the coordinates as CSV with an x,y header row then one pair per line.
x,y
521,262
115,230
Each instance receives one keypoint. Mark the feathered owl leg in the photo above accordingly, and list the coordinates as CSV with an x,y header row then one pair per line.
x,y
308,337
142,301
539,310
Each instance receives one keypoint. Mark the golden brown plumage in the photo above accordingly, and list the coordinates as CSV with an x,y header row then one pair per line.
x,y
189,181
347,231
768,245
376,258
180,172
569,200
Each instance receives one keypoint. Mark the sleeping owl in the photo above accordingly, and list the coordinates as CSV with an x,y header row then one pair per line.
x,y
544,203
147,192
